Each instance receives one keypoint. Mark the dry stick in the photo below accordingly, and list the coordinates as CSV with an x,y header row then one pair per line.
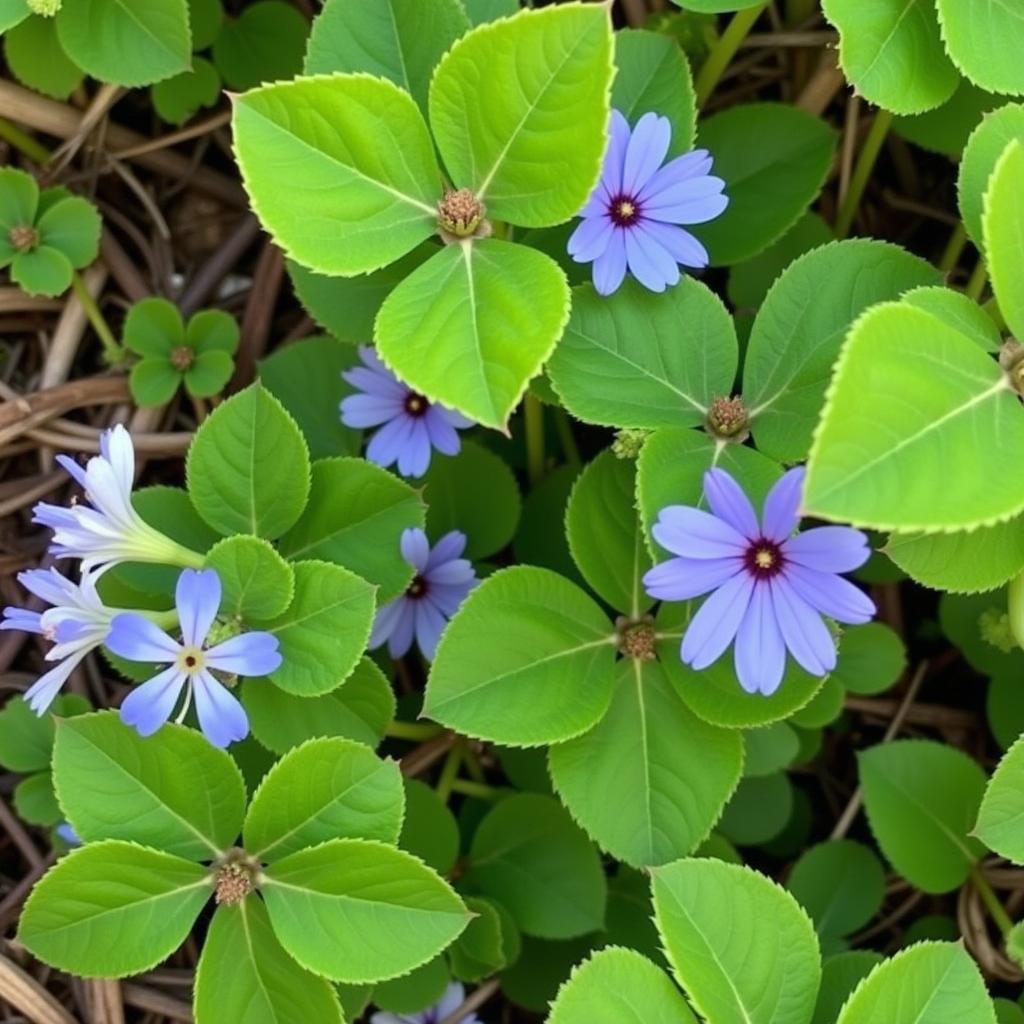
x,y
29,490
10,906
21,839
933,715
153,445
426,754
258,317
24,993
825,84
23,412
105,1000
122,268
857,799
106,96
209,276
149,999
192,132
474,1001
849,146
70,330
14,300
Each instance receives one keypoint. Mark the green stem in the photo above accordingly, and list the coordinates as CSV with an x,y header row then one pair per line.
x,y
954,248
862,171
533,413
724,50
23,142
449,772
1015,608
799,11
991,901
564,427
477,789
112,351
418,732
976,285
992,308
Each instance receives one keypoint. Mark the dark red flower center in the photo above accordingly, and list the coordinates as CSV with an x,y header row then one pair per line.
x,y
416,405
417,589
624,210
764,559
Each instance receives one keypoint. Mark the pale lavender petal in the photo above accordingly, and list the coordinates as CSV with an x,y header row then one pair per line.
x,y
455,571
48,584
197,598
387,445
683,191
385,621
828,549
249,654
73,469
680,579
149,706
832,595
590,238
361,411
383,1017
456,419
714,626
448,596
430,624
610,267
694,533
136,638
803,629
694,164
647,149
450,546
221,717
678,243
414,458
443,436
40,695
453,998
649,262
381,383
692,210
760,654
728,501
615,154
415,547
401,636
117,448
782,506
23,619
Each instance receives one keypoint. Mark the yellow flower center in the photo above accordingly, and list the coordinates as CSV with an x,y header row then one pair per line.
x,y
626,209
191,660
764,558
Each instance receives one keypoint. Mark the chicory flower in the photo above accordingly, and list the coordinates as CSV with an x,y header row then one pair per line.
x,y
453,998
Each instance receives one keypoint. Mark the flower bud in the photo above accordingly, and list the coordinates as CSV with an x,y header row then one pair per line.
x,y
182,357
46,8
727,420
1011,359
636,637
461,215
628,442
23,237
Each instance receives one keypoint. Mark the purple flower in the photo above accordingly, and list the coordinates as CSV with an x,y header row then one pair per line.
x,y
442,581
221,717
412,425
68,834
77,623
769,589
631,218
453,998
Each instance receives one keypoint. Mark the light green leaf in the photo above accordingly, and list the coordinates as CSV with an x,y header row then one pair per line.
x,y
922,799
36,802
153,382
630,361
984,148
528,659
70,225
619,986
529,856
1002,808
479,951
42,271
649,781
37,59
328,788
180,98
153,328
26,739
174,792
769,749
12,12
913,401
1004,234
840,975
959,311
244,974
458,331
348,200
946,129
741,946
871,658
980,41
111,909
480,11
359,911
209,373
257,582
519,109
265,43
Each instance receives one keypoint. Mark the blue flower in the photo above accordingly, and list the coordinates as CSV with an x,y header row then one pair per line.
x,y
77,623
221,717
442,581
769,589
68,834
453,998
633,215
410,425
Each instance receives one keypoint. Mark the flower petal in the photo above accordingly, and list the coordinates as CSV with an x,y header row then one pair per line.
x,y
414,458
453,998
385,621
679,244
714,626
415,548
361,411
387,445
609,268
590,238
249,654
448,596
430,624
221,717
40,695
443,436
453,572
803,629
831,595
450,546
197,598
615,154
649,261
782,506
690,165
149,706
828,549
401,636
680,579
647,149
456,419
136,638
695,208
728,501
117,448
694,533
760,654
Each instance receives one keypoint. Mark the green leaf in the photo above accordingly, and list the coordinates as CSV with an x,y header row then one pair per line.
x,y
209,373
244,974
741,946
759,810
339,908
411,992
605,535
70,225
1004,709
36,802
205,19
474,492
922,799
37,59
535,542
429,829
840,975
1002,808
248,466
480,11
1004,234
174,791
871,658
630,361
257,582
12,12
976,43
961,312
519,109
892,53
774,160
213,330
649,781
397,39
986,145
841,884
42,271
95,912
347,201
946,129
153,382
127,42
527,659
355,517
930,982
479,951
619,986
456,329
153,328
800,329
26,739
180,98
328,788
324,630
912,400
769,749
652,74
360,709
265,43
529,856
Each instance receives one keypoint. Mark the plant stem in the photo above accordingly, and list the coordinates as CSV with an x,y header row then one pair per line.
x,y
862,171
954,248
724,50
477,789
449,772
976,285
564,427
112,351
799,11
991,901
415,731
533,414
23,142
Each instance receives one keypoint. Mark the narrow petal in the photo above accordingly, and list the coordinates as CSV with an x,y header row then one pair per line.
x,y
610,267
456,419
458,570
450,546
136,638
782,506
117,448
401,636
250,654
385,621
678,243
48,584
73,469
615,154
40,695
387,445
727,501
694,164
23,619
714,626
695,210
361,411
197,598
453,997
647,149
149,706
221,717
828,549
649,261
380,383
590,238
803,629
415,548
430,624
694,533
449,596
680,579
683,191
831,595
760,654
443,436
414,458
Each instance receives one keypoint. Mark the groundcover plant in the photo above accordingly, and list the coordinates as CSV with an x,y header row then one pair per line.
x,y
513,512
